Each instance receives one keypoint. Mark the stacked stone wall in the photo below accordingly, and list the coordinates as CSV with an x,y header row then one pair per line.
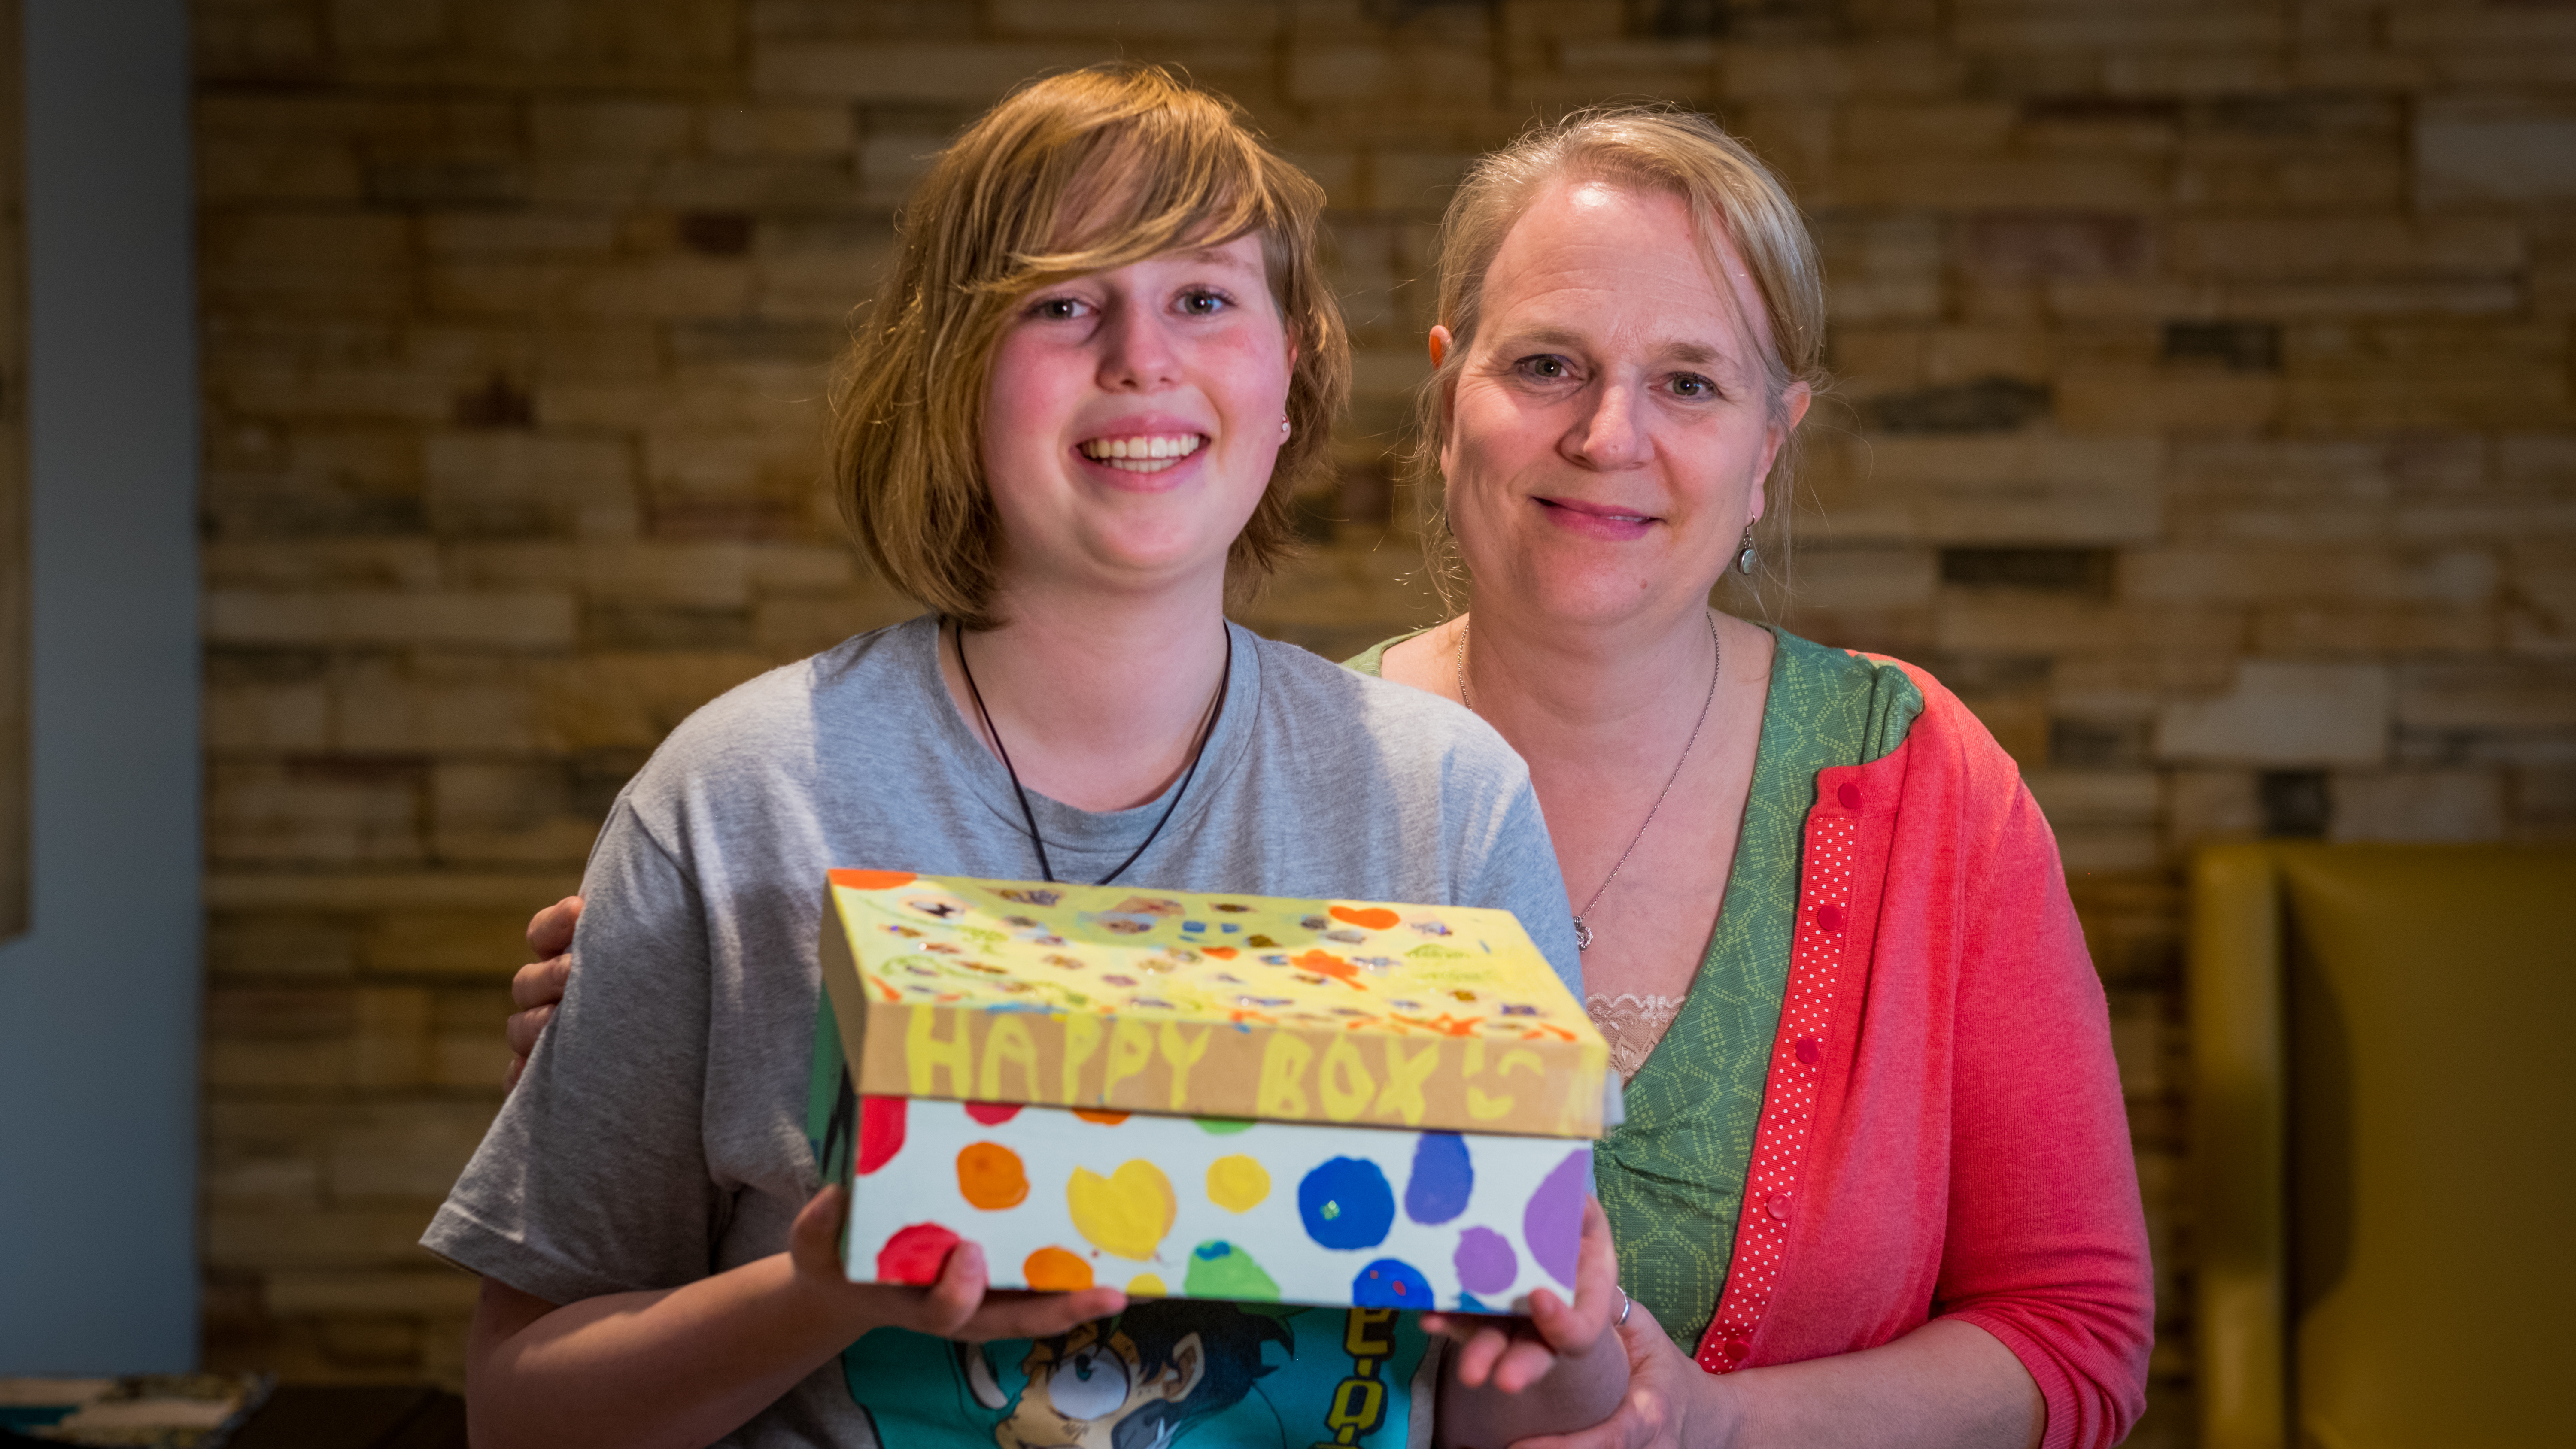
x,y
2204,419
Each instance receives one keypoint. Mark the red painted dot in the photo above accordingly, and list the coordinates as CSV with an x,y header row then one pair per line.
x,y
1809,1050
880,1132
1849,795
914,1254
992,1114
1829,918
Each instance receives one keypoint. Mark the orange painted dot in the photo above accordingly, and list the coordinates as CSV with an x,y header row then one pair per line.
x,y
1056,1270
989,1175
1105,1119
872,880
1372,918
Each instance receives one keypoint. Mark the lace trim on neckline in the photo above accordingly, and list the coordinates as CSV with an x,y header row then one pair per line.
x,y
1632,1024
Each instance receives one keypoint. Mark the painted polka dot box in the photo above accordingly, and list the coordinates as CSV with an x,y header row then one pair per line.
x,y
1359,1012
1339,1103
1214,1208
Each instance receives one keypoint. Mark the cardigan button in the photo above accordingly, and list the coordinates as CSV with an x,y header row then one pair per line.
x,y
1736,1349
1829,919
1848,794
1809,1050
1777,1205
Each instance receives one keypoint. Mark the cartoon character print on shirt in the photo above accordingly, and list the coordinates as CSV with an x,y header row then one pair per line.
x,y
1136,1381
1258,1376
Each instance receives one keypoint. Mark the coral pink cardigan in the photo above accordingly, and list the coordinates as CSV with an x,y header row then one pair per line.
x,y
1942,1133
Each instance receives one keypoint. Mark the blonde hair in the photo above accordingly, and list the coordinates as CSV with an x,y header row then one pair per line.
x,y
1731,196
1077,173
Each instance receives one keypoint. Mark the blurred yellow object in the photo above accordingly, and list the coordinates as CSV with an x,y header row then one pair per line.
x,y
2384,1043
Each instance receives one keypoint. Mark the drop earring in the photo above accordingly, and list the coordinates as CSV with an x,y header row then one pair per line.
x,y
1747,557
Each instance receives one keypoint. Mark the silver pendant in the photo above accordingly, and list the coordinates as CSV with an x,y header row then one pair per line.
x,y
1582,935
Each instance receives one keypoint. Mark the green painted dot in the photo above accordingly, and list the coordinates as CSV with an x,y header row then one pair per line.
x,y
1332,1210
1222,1126
1219,1269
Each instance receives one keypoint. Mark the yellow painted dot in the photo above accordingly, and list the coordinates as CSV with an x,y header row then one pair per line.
x,y
1237,1183
1146,1285
1127,1212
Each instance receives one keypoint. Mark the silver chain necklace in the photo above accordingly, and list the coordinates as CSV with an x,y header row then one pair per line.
x,y
1717,663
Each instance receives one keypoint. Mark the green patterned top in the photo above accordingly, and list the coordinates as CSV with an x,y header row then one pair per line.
x,y
1672,1176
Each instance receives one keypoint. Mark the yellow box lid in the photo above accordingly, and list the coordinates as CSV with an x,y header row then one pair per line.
x,y
1120,999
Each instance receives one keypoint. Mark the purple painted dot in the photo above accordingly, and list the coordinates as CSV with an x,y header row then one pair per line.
x,y
1346,1204
1391,1283
1485,1261
1442,1181
1552,1224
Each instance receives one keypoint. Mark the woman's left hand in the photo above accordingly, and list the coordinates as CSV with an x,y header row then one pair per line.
x,y
1512,1354
1669,1402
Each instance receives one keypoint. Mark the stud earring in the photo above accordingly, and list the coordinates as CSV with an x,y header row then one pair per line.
x,y
1747,557
1283,427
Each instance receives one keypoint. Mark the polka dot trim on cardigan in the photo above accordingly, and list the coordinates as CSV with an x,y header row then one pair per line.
x,y
1789,1102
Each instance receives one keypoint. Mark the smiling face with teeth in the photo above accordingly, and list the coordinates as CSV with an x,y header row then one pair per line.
x,y
1611,426
1133,421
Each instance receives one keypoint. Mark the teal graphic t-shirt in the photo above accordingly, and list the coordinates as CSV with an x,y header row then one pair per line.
x,y
1164,1371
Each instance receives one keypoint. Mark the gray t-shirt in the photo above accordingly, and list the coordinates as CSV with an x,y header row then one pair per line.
x,y
658,1135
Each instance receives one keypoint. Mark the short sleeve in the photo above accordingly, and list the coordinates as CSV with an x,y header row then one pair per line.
x,y
593,1179
1519,874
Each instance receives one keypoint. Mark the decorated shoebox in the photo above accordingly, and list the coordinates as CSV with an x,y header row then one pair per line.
x,y
1215,1096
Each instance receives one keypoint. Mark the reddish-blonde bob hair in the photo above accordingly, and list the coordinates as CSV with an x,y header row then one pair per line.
x,y
1077,173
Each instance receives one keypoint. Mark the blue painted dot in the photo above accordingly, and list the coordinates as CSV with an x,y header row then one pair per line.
x,y
1346,1204
1442,1181
1390,1283
1470,1303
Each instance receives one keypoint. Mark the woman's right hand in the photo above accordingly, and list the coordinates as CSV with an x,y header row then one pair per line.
x,y
540,984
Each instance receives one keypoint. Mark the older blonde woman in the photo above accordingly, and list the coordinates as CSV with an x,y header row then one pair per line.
x,y
1875,1184
1102,364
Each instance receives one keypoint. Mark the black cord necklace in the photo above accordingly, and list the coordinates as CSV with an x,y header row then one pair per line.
x,y
1198,748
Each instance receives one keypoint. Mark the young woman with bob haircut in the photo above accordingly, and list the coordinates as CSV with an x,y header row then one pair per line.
x,y
1081,401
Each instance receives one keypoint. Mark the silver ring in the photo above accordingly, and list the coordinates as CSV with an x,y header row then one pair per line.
x,y
1625,1303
